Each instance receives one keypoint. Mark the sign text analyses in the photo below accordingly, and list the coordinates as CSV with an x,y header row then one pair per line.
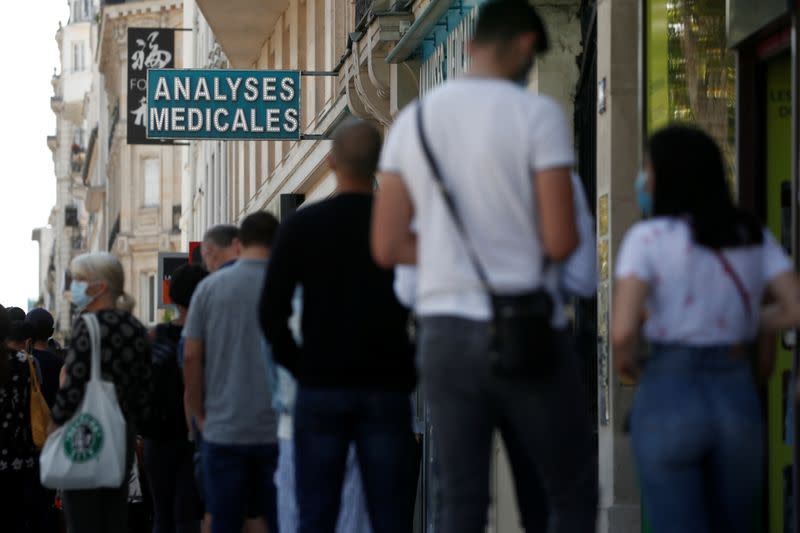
x,y
223,104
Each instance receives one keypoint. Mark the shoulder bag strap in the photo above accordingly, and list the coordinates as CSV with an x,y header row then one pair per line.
x,y
34,375
737,281
94,334
450,202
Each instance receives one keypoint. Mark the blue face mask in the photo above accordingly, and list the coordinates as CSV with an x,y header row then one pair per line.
x,y
644,197
79,296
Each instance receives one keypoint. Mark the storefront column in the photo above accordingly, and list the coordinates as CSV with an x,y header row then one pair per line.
x,y
618,159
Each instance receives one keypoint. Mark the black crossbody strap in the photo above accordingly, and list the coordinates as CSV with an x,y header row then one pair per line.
x,y
450,202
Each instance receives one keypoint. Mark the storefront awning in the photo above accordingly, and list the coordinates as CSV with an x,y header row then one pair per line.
x,y
415,34
242,26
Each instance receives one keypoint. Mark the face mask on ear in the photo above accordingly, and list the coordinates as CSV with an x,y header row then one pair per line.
x,y
643,196
79,296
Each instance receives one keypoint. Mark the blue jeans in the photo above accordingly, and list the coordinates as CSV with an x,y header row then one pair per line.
x,y
239,483
353,514
326,422
696,429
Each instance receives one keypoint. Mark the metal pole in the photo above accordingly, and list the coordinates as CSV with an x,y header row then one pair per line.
x,y
326,73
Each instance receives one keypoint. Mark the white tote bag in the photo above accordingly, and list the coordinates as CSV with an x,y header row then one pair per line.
x,y
88,452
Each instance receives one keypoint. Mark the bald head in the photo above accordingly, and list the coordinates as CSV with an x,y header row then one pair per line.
x,y
356,149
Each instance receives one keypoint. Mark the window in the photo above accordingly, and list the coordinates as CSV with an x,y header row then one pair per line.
x,y
152,182
149,298
78,63
690,72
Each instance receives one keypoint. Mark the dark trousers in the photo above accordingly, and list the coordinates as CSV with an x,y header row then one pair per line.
x,y
18,504
542,421
240,483
97,510
326,422
170,474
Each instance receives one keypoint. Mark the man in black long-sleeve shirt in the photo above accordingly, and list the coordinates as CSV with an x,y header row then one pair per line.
x,y
355,366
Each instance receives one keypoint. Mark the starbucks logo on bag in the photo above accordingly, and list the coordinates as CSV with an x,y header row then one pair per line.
x,y
84,439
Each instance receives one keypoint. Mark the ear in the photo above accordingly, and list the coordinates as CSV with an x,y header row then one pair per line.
x,y
102,286
526,42
331,161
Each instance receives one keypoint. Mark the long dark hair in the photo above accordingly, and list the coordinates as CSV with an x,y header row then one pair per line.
x,y
690,181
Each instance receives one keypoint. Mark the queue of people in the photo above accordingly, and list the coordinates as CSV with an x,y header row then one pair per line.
x,y
279,399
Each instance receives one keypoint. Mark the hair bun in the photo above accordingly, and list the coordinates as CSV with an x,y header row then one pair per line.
x,y
125,302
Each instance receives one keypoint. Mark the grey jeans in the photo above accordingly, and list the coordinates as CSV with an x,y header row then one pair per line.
x,y
543,423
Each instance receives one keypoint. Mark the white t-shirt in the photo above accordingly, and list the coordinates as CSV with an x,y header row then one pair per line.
x,y
692,300
489,137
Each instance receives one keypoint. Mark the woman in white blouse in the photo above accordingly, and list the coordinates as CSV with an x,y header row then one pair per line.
x,y
693,277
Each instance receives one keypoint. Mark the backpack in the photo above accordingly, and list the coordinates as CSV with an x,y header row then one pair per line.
x,y
166,419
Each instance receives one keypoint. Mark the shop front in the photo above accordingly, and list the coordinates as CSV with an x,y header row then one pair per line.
x,y
761,35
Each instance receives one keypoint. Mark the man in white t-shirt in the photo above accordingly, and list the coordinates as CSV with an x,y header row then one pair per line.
x,y
505,156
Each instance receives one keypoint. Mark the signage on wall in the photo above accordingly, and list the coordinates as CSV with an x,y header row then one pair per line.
x,y
168,263
449,58
148,48
223,104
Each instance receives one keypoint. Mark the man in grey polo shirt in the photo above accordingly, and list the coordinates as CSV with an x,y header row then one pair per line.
x,y
227,390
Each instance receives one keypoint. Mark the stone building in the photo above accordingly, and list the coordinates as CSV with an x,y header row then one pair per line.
x,y
135,190
70,87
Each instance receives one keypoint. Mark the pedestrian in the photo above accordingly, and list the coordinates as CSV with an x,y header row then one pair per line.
x,y
577,277
221,247
355,368
20,332
693,278
41,329
41,326
168,452
488,188
227,391
353,516
97,287
578,274
18,455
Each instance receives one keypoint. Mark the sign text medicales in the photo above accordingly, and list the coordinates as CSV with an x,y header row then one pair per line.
x,y
223,104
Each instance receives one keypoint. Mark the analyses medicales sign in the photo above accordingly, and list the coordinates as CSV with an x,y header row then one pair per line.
x,y
223,104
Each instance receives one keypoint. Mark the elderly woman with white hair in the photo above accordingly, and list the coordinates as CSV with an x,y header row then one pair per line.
x,y
97,287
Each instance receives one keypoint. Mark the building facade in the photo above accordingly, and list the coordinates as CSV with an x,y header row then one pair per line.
x,y
70,88
135,189
111,196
